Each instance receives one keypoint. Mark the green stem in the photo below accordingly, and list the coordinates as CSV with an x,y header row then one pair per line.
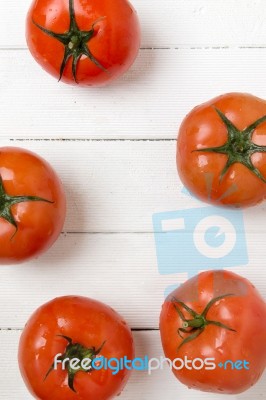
x,y
198,323
75,351
7,201
239,146
75,42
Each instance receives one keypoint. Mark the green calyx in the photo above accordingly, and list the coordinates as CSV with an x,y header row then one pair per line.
x,y
239,146
75,43
196,325
7,201
75,351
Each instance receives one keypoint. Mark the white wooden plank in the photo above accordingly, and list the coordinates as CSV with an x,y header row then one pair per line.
x,y
148,102
160,384
116,186
175,23
119,269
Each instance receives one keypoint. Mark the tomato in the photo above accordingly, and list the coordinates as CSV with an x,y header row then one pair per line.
x,y
32,205
215,318
221,150
75,327
90,42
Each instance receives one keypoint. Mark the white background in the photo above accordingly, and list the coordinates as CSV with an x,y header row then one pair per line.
x,y
118,168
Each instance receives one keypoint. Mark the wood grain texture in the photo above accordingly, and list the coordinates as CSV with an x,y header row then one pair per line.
x,y
149,102
117,186
175,23
119,269
114,149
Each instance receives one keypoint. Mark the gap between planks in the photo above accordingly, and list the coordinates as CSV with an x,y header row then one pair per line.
x,y
177,47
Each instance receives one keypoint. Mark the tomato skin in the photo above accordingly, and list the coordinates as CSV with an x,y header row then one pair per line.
x,y
86,321
201,171
245,312
38,223
115,43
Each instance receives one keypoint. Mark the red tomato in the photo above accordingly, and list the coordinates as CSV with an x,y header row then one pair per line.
x,y
90,42
231,331
221,150
76,327
32,205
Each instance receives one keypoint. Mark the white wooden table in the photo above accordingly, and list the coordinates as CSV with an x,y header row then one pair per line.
x,y
114,149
